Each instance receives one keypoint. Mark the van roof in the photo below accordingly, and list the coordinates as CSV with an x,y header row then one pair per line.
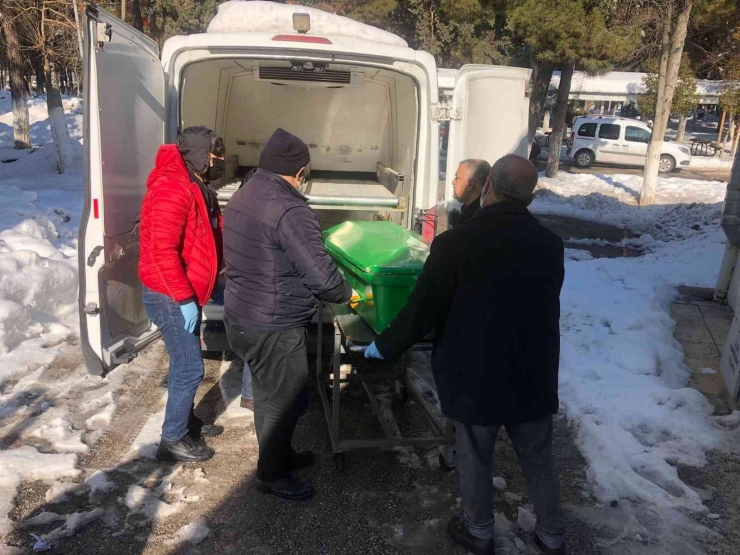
x,y
271,17
299,43
611,118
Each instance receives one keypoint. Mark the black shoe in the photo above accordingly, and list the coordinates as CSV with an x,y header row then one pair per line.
x,y
458,531
549,550
289,487
211,430
298,460
188,449
247,404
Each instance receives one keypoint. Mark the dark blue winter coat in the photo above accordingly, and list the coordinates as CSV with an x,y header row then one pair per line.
x,y
276,263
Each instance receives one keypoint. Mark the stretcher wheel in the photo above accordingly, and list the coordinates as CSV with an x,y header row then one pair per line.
x,y
402,393
339,460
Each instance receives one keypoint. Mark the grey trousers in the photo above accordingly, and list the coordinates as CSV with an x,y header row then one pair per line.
x,y
533,445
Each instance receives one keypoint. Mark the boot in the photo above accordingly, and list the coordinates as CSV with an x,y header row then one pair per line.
x,y
458,531
287,487
549,550
188,449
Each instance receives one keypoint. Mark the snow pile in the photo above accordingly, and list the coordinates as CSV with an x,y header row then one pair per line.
x,y
622,376
680,204
99,485
193,533
38,244
270,17
711,162
27,464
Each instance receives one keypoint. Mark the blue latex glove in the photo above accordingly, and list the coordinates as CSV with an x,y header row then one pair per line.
x,y
372,352
190,313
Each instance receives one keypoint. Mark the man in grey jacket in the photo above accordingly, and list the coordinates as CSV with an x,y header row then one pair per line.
x,y
276,270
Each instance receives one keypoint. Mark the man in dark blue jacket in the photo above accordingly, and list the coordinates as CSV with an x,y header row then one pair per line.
x,y
276,269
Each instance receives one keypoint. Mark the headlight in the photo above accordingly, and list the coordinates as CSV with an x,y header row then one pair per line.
x,y
685,150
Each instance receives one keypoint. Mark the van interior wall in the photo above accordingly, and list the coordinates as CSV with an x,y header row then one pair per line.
x,y
349,129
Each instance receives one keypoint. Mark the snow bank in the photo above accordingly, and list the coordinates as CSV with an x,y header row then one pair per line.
x,y
38,228
711,162
270,17
622,375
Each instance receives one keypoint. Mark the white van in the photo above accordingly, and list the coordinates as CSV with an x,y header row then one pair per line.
x,y
620,141
369,110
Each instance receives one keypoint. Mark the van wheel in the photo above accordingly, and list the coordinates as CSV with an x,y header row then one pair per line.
x,y
667,163
584,158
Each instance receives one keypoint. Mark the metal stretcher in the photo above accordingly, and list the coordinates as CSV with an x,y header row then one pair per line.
x,y
351,337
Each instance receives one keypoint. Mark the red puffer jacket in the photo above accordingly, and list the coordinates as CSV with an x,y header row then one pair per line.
x,y
180,252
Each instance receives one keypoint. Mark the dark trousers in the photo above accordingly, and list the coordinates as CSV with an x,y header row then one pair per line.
x,y
186,365
279,368
532,442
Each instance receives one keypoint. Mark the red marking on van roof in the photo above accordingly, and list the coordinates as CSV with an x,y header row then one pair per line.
x,y
302,38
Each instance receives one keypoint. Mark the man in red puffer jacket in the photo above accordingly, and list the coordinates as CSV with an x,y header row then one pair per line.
x,y
181,253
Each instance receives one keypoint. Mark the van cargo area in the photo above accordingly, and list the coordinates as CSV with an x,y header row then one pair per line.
x,y
360,123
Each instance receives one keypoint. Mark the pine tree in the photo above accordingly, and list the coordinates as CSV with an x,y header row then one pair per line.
x,y
571,34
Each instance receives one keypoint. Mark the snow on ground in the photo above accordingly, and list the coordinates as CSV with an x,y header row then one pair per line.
x,y
51,409
623,380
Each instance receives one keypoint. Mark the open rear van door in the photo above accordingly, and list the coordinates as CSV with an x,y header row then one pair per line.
x,y
489,116
124,88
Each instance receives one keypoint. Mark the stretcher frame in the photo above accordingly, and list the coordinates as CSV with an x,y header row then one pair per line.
x,y
351,337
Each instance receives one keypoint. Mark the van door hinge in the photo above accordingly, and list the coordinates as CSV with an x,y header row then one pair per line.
x,y
445,113
91,309
105,34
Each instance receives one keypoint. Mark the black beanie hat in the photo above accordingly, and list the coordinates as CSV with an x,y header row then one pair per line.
x,y
284,154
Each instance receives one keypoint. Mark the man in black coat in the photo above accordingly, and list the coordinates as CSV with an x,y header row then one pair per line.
x,y
491,289
276,269
467,186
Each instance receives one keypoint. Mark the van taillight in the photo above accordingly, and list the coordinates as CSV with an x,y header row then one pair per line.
x,y
301,38
96,210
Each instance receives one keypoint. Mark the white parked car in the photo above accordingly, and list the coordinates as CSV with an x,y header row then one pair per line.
x,y
620,141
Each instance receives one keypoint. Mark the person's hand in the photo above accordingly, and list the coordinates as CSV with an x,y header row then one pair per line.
x,y
190,313
218,296
355,299
372,352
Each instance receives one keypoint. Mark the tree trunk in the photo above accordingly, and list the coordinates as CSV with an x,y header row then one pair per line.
x,y
38,67
59,132
558,125
681,133
136,20
721,128
541,77
728,136
18,89
670,61
734,144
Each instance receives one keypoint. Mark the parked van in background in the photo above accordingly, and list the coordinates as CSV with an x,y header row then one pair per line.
x,y
619,140
367,105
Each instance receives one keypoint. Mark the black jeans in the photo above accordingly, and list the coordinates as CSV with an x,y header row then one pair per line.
x,y
532,442
279,368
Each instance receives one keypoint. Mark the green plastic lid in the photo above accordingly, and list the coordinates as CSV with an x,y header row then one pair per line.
x,y
378,248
